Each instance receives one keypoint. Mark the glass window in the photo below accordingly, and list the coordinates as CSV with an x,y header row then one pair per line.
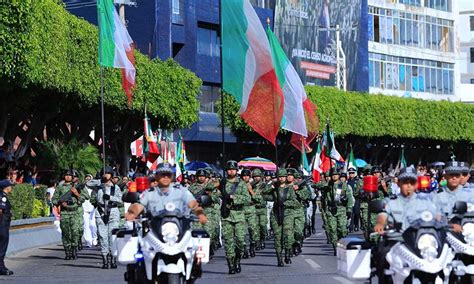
x,y
451,82
208,98
401,76
208,42
408,78
177,8
472,54
439,81
428,36
396,31
382,75
389,76
471,22
403,38
445,81
421,79
377,74
371,73
433,80
415,33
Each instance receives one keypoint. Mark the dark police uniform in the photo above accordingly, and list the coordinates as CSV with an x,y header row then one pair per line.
x,y
5,218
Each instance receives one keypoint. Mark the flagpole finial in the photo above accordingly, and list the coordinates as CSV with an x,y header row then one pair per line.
x,y
268,22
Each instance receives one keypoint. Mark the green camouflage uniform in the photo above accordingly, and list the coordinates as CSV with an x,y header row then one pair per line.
x,y
338,201
198,190
70,219
250,212
261,205
319,186
303,196
233,226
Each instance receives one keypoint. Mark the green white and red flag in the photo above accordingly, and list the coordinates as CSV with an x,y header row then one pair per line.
x,y
116,45
247,68
150,142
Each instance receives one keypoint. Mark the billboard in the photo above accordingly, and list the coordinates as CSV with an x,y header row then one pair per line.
x,y
307,32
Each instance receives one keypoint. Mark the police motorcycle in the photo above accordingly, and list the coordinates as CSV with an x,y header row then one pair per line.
x,y
163,248
462,243
418,255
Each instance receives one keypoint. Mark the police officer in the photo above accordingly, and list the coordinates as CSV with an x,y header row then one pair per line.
x,y
69,199
5,218
107,200
235,195
250,212
339,202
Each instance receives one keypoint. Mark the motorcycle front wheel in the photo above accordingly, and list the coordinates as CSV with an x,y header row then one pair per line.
x,y
171,278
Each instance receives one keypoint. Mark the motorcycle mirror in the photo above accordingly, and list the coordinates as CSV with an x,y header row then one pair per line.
x,y
460,207
376,206
206,201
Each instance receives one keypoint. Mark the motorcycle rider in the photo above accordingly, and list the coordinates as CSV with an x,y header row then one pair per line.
x,y
155,199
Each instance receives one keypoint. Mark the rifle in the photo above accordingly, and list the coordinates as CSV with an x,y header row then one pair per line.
x,y
200,193
67,197
105,213
226,200
280,208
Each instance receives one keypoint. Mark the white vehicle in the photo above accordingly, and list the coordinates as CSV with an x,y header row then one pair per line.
x,y
462,243
164,248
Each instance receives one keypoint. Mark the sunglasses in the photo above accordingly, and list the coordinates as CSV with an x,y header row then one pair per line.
x,y
165,175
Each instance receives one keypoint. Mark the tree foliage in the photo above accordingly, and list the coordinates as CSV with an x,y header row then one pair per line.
x,y
367,115
44,46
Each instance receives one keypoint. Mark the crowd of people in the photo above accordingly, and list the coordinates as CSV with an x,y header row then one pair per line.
x,y
244,208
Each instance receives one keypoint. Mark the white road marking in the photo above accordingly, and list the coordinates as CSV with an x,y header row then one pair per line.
x,y
342,280
313,264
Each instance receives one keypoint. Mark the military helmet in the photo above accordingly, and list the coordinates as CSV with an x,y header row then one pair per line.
x,y
375,169
268,173
291,172
201,172
298,174
209,171
245,172
164,168
343,174
69,173
75,173
282,173
334,171
256,173
108,170
231,165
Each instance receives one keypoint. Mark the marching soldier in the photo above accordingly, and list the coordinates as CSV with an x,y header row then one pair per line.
x,y
282,217
107,200
235,195
354,183
339,202
68,199
200,189
321,203
259,187
250,216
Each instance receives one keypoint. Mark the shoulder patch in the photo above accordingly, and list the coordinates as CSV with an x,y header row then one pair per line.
x,y
4,199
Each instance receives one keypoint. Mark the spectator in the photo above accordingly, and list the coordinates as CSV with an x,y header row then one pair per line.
x,y
49,195
434,183
394,186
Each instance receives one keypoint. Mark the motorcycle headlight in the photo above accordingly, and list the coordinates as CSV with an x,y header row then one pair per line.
x,y
428,246
468,233
170,232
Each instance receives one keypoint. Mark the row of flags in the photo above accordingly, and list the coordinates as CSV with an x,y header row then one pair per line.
x,y
259,75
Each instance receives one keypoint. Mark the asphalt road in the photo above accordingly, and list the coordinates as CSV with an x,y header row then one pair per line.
x,y
46,265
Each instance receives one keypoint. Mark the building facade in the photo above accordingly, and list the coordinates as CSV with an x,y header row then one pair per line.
x,y
465,56
412,48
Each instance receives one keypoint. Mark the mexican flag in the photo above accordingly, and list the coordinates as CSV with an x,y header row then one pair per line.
x,y
403,161
316,164
351,161
247,68
181,159
293,89
116,45
150,143
330,146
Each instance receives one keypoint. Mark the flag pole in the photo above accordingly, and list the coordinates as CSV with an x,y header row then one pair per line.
x,y
102,115
222,90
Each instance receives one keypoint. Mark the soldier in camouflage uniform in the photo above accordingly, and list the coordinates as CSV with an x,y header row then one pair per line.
x,y
339,201
250,216
80,211
382,192
69,199
235,195
282,217
302,196
107,201
199,189
319,187
258,187
355,184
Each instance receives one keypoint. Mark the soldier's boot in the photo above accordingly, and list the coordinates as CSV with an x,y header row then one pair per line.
x,y
334,249
300,247
246,253
230,264
105,262
112,261
238,268
262,244
280,260
79,245
295,249
313,230
257,245
74,253
287,256
67,254
252,250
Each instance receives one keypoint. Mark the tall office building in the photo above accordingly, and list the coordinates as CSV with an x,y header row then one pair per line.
x,y
465,55
412,48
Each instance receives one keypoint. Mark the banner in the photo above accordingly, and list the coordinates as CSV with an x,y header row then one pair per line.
x,y
306,31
